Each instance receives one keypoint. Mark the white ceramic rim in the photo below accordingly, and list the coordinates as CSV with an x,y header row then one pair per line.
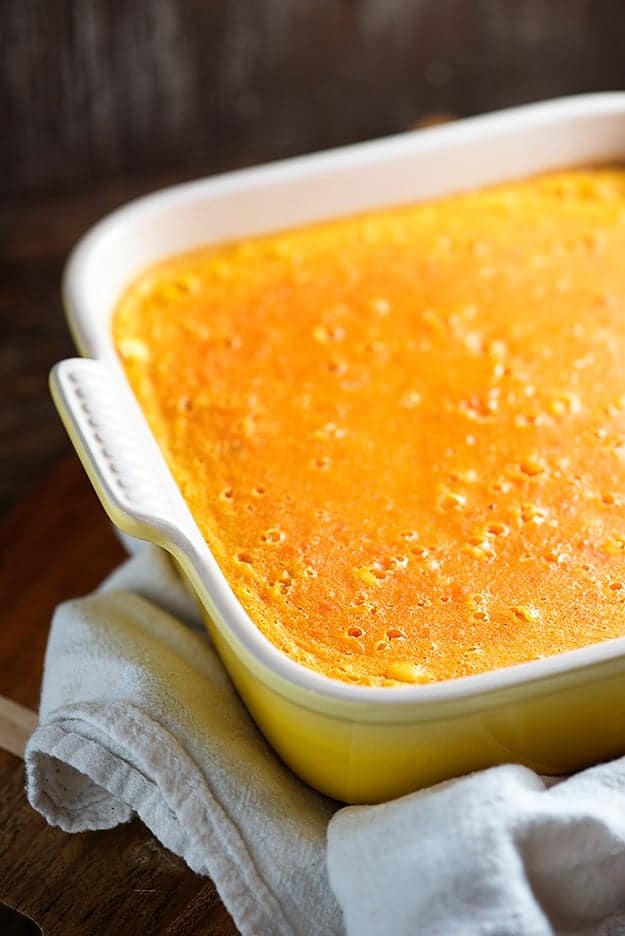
x,y
94,343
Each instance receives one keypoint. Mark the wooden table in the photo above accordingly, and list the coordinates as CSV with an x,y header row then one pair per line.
x,y
56,545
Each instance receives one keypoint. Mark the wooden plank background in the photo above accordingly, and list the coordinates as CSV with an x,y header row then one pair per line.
x,y
107,88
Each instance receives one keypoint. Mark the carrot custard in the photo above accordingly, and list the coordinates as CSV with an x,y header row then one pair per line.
x,y
403,434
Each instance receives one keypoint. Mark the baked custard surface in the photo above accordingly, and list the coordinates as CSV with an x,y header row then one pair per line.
x,y
403,434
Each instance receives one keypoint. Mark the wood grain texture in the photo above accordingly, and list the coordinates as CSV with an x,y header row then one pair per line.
x,y
35,236
107,88
59,545
17,723
53,547
96,883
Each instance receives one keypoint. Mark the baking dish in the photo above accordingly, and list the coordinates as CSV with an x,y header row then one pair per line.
x,y
355,743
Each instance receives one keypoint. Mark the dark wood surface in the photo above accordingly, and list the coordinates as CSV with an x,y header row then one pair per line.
x,y
36,234
56,545
90,91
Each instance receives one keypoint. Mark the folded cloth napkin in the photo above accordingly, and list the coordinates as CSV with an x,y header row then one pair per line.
x,y
139,718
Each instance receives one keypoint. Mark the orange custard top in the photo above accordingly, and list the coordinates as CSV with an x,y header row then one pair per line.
x,y
403,434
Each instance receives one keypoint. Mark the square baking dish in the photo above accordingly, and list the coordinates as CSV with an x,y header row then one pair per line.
x,y
354,743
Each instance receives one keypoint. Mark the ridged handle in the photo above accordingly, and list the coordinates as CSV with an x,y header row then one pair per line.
x,y
119,453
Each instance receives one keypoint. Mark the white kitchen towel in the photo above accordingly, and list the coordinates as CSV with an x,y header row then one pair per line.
x,y
138,718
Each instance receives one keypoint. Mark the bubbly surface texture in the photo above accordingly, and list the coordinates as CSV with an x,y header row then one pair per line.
x,y
403,434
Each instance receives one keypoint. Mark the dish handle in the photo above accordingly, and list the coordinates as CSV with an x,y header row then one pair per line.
x,y
120,455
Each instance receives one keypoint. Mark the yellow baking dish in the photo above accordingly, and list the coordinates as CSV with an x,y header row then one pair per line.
x,y
356,743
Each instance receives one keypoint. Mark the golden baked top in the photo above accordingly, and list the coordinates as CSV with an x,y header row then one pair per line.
x,y
403,434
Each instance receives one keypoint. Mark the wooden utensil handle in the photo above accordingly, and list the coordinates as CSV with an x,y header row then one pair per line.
x,y
16,726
